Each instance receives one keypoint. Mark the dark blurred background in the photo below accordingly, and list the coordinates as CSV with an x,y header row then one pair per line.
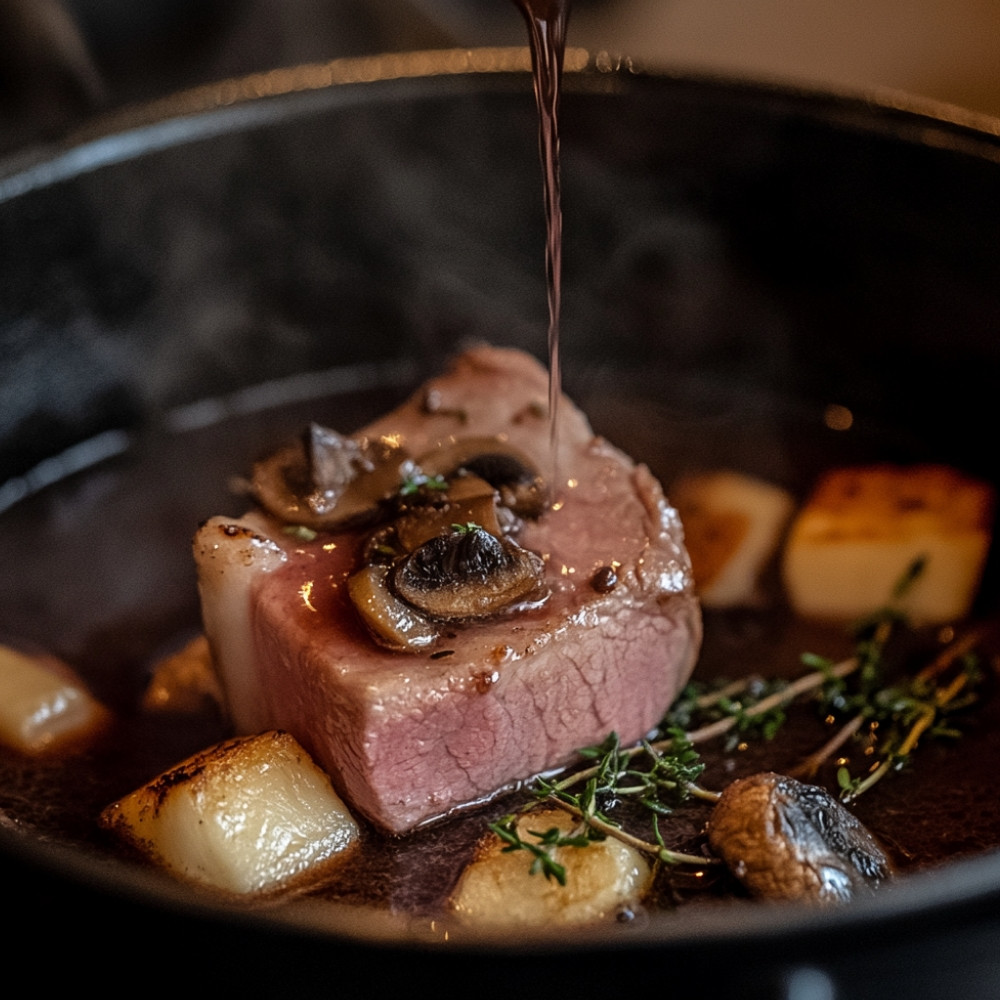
x,y
64,60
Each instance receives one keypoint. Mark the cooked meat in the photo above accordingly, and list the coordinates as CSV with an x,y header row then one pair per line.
x,y
474,705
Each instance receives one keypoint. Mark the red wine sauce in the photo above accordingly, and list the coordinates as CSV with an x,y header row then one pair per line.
x,y
547,20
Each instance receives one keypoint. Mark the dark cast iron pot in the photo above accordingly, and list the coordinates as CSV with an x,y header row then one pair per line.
x,y
342,229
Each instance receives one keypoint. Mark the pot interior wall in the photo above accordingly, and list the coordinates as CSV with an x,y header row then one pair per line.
x,y
752,238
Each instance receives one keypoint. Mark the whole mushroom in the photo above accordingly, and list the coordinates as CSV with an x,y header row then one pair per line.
x,y
786,840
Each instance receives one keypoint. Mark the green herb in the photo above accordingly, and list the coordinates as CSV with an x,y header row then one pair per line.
x,y
417,481
660,780
300,532
665,772
893,717
470,527
899,715
667,778
754,708
541,847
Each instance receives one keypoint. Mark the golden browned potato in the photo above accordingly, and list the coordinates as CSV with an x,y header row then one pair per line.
x,y
249,815
862,528
733,524
498,889
44,706
185,680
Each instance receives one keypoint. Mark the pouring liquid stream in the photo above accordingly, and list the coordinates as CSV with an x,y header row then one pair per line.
x,y
547,21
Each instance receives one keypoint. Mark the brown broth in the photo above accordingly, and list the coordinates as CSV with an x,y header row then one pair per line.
x,y
124,596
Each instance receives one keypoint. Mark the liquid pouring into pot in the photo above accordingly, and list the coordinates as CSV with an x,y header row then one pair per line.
x,y
547,22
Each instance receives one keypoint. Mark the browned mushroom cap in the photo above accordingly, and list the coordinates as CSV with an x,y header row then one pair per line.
x,y
520,485
467,573
785,840
326,480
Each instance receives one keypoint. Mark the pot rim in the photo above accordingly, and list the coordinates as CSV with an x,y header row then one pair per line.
x,y
959,891
240,102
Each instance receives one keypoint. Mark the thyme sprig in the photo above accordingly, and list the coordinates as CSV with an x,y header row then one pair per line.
x,y
900,715
665,771
739,714
668,779
541,848
893,717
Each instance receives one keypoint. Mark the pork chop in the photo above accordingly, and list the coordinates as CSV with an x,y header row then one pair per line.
x,y
602,642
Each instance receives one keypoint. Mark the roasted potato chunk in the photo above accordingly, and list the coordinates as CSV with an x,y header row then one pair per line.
x,y
44,706
733,525
250,815
498,889
863,528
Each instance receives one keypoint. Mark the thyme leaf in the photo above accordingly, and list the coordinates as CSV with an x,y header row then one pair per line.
x,y
540,848
299,532
418,480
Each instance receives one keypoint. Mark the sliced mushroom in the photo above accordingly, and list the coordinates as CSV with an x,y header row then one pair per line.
x,y
467,573
326,480
467,500
520,485
785,840
391,621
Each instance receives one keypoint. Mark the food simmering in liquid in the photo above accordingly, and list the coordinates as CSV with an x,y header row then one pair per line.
x,y
422,696
464,517
497,888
